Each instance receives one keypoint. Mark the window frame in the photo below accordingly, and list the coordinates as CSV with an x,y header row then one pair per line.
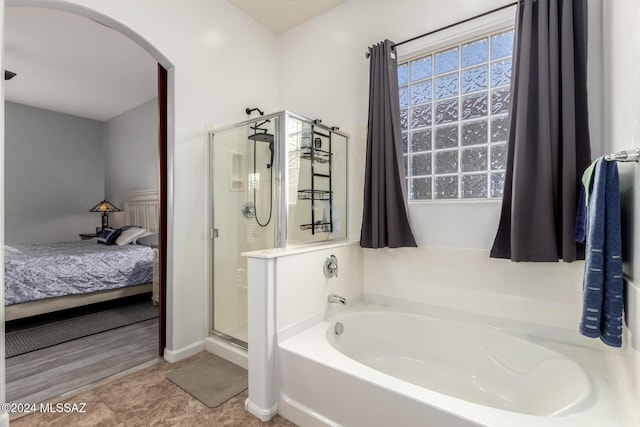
x,y
443,40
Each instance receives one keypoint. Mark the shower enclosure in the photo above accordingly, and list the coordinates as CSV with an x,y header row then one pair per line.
x,y
277,181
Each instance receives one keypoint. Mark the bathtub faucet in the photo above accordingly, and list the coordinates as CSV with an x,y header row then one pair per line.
x,y
333,298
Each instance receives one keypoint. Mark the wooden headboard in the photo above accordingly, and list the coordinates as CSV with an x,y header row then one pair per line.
x,y
142,208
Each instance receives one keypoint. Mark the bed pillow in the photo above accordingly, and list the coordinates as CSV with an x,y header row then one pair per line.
x,y
150,240
129,235
108,236
145,234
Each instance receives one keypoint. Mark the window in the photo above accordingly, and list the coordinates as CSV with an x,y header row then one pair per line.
x,y
453,108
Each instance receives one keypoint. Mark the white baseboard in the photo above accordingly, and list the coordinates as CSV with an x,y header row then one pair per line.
x,y
227,351
4,419
263,415
173,356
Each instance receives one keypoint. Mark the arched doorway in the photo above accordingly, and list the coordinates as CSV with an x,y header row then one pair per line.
x,y
164,133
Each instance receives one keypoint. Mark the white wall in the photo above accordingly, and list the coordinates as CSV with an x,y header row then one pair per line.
x,y
445,272
59,166
336,89
131,152
302,288
54,173
211,50
337,92
544,294
622,132
622,110
622,127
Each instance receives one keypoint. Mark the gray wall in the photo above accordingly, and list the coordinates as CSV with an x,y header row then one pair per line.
x,y
131,152
54,173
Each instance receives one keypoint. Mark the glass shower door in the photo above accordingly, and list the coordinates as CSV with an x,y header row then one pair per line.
x,y
244,217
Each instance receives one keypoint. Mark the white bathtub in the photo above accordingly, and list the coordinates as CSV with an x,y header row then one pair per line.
x,y
390,368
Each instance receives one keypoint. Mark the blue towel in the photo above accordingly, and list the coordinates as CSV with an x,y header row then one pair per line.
x,y
580,231
602,287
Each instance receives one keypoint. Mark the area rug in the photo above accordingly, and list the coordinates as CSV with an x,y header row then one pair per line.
x,y
211,379
34,338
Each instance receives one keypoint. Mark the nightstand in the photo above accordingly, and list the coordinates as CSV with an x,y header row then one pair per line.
x,y
87,236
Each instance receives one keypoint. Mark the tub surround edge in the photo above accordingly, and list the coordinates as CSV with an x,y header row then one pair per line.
x,y
504,324
295,250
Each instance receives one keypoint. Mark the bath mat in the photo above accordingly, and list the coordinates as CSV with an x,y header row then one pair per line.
x,y
211,379
31,338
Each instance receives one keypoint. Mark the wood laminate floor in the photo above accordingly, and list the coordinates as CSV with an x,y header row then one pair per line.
x,y
52,373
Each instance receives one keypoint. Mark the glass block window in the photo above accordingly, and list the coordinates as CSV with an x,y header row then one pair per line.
x,y
454,104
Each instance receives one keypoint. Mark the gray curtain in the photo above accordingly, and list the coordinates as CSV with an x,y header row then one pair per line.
x,y
384,217
549,135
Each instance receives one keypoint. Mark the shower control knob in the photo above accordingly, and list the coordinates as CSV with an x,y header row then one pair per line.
x,y
331,266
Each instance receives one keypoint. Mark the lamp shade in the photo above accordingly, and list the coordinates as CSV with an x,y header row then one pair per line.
x,y
104,206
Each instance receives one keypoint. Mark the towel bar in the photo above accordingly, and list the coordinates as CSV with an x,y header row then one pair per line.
x,y
624,156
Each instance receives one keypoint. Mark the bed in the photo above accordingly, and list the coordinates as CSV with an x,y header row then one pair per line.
x,y
48,277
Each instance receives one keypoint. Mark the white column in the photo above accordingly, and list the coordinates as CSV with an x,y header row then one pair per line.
x,y
263,387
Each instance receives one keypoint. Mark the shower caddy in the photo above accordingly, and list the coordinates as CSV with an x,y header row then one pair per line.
x,y
311,150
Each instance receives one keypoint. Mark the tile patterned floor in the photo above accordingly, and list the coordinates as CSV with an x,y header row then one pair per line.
x,y
146,398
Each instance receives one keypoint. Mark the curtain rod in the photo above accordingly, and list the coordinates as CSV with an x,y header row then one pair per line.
x,y
451,25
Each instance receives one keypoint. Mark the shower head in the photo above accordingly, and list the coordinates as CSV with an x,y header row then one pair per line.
x,y
262,137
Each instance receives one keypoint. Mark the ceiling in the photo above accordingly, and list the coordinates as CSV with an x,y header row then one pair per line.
x,y
70,64
282,15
